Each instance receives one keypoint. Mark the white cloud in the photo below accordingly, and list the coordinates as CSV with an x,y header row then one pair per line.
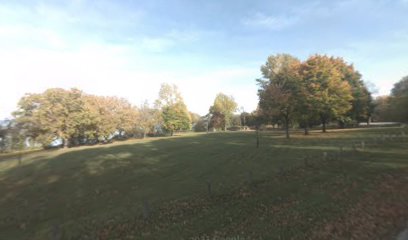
x,y
169,40
269,22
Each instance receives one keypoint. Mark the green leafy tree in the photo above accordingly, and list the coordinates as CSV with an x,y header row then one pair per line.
x,y
148,117
382,109
399,100
362,102
222,111
174,111
280,88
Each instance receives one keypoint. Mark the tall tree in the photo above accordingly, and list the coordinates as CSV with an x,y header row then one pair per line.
x,y
399,100
148,118
223,108
362,103
326,90
174,111
280,89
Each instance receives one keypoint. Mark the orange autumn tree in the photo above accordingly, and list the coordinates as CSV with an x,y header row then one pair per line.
x,y
326,90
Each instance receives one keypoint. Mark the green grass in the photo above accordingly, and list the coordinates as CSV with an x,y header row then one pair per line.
x,y
98,192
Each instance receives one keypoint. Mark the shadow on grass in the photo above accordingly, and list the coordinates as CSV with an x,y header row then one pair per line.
x,y
97,184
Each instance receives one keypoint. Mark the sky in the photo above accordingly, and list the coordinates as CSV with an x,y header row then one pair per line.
x,y
128,48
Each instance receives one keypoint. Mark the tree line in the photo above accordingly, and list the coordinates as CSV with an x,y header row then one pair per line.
x,y
74,118
292,93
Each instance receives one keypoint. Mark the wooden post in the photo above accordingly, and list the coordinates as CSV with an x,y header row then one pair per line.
x,y
257,137
209,190
56,232
249,178
146,209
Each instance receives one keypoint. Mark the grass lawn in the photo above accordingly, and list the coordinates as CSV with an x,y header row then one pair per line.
x,y
302,188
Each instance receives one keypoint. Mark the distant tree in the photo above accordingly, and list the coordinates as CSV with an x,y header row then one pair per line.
x,y
327,93
148,118
201,125
245,116
126,117
222,110
217,120
5,143
382,109
399,100
236,120
173,109
279,90
194,117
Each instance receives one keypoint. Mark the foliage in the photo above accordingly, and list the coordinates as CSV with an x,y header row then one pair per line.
x,y
222,111
326,90
279,95
201,125
174,111
148,118
362,103
399,100
74,117
382,109
11,136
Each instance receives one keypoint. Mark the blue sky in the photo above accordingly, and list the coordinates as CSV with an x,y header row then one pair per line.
x,y
128,48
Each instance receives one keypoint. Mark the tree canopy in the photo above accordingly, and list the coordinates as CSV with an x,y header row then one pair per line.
x,y
74,117
174,111
222,111
280,88
320,88
399,100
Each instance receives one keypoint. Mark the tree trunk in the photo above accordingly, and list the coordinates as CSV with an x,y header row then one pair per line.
x,y
257,137
324,125
287,127
144,134
306,130
64,143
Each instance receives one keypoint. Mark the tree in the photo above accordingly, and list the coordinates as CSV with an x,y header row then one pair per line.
x,y
362,103
328,94
399,100
174,112
201,124
148,118
236,120
194,117
222,110
280,88
74,117
382,109
57,113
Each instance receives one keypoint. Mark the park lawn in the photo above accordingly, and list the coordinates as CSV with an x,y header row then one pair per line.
x,y
302,188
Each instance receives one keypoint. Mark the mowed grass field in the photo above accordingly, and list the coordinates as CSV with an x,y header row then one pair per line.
x,y
345,184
